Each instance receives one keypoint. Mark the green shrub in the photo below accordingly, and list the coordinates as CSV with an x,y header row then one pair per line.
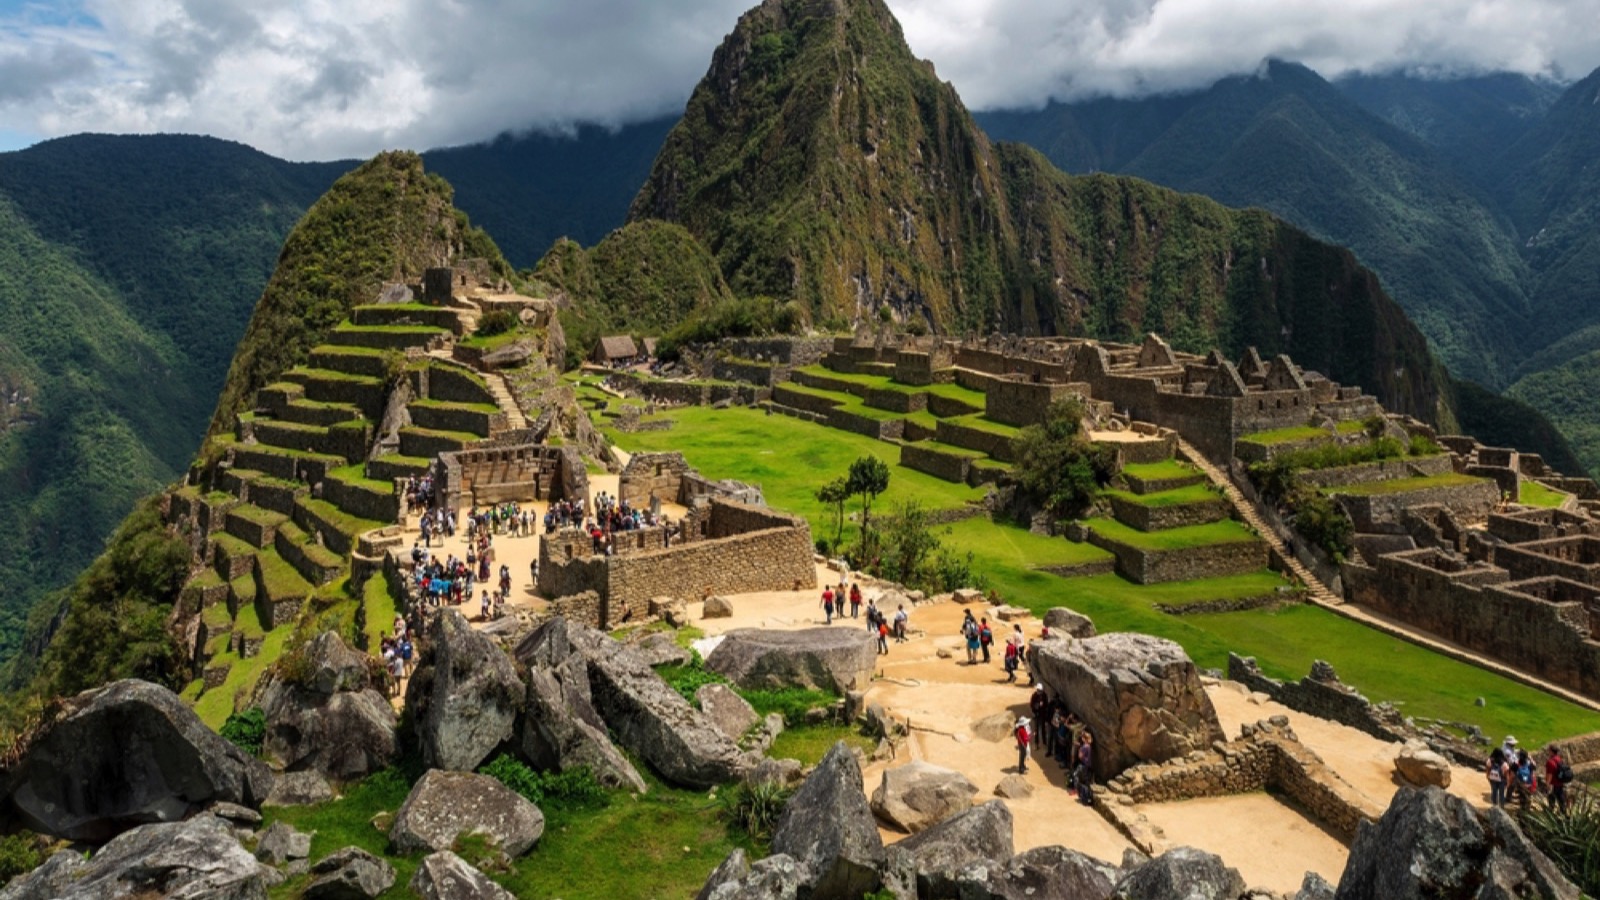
x,y
19,855
394,365
792,702
1422,445
569,789
1572,840
689,678
496,321
1322,522
755,808
247,730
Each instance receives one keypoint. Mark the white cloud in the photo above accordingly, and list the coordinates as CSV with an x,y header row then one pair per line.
x,y
317,79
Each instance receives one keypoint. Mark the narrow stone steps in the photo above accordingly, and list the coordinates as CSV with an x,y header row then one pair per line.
x,y
1247,512
503,398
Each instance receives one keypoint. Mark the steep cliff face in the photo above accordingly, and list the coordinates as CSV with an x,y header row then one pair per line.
x,y
819,160
385,221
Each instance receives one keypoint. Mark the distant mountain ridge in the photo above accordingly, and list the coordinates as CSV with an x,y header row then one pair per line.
x,y
1470,197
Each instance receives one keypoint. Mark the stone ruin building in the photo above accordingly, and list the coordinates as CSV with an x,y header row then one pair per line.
x,y
728,541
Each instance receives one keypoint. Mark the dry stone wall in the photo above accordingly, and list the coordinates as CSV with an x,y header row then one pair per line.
x,y
1157,518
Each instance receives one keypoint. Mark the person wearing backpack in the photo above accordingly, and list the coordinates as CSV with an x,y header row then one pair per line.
x,y
1024,739
969,630
1558,774
1497,773
1524,782
985,638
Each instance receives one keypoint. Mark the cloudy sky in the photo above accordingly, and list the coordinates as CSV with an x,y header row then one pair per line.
x,y
322,79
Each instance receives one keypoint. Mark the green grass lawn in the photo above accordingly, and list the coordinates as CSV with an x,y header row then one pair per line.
x,y
215,705
843,402
1535,494
789,459
811,743
1194,493
1226,531
950,449
979,423
999,543
1160,471
1402,485
1286,435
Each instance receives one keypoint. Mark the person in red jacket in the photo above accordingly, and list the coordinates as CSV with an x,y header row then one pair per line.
x,y
1554,769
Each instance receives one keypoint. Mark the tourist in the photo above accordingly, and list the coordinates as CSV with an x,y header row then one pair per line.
x,y
872,616
1498,773
1509,748
1024,739
969,630
855,600
827,605
1013,652
985,638
1525,783
901,618
1557,774
883,639
485,603
1039,705
1083,775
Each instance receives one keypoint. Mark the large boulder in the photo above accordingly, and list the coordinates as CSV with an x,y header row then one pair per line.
x,y
659,648
325,713
654,721
281,843
1061,620
559,728
1050,873
198,858
464,696
919,795
825,659
982,834
1182,873
1139,695
1421,766
828,829
731,713
126,754
350,873
446,876
716,608
443,806
1430,843
776,877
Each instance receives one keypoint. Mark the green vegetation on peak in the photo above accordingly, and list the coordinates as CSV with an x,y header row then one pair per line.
x,y
819,161
386,221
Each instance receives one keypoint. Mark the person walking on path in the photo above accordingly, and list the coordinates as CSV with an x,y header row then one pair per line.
x,y
1498,775
855,600
901,617
1557,774
1024,738
969,630
1039,705
883,639
1013,653
985,638
1083,775
827,605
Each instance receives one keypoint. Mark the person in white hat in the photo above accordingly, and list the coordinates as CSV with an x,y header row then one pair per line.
x,y
1510,748
1024,738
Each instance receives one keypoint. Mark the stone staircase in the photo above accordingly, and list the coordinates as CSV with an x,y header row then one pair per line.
x,y
1318,592
515,419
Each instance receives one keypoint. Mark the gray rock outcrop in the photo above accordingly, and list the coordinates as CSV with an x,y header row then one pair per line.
x,y
776,877
350,873
1314,887
918,795
1182,873
464,696
127,754
560,729
1049,873
660,649
446,876
1013,787
1422,766
442,806
1061,620
828,830
1139,695
191,860
329,717
731,713
1432,844
717,608
980,835
304,788
281,843
826,659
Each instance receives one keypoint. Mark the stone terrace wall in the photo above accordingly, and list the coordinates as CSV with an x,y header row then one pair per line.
x,y
1382,470
652,474
789,351
1023,403
1321,694
495,474
1541,626
1157,518
1574,558
1382,512
1160,566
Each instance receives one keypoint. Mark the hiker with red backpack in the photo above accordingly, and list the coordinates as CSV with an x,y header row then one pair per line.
x,y
1558,774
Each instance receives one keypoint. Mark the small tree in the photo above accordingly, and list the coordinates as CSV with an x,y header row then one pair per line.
x,y
835,493
1055,462
869,477
909,544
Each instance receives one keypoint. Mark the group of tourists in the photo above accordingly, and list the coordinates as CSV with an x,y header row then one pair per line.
x,y
398,653
437,522
1056,731
980,639
507,518
563,514
1513,774
450,582
418,491
879,623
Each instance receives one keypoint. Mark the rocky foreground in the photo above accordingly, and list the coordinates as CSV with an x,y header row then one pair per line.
x,y
170,809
